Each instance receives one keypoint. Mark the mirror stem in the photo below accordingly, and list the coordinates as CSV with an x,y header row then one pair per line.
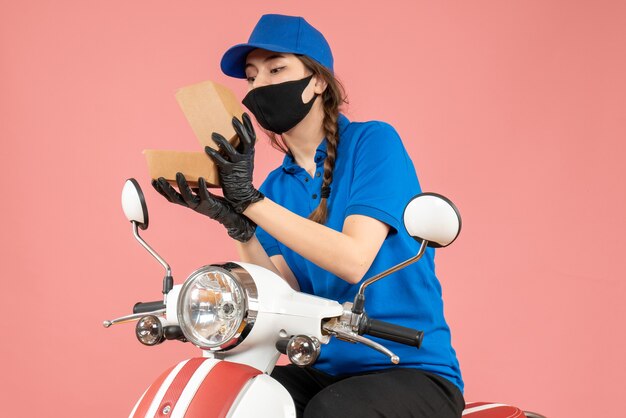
x,y
168,282
359,299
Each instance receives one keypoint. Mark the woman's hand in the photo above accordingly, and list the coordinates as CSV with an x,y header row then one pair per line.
x,y
238,226
235,166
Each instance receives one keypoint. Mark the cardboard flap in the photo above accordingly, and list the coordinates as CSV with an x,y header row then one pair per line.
x,y
209,107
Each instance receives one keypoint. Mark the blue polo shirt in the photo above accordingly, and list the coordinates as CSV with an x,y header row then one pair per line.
x,y
373,176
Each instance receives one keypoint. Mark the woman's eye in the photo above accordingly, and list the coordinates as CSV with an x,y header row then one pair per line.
x,y
250,79
276,70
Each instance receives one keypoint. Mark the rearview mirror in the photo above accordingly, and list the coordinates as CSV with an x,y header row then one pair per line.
x,y
433,218
134,204
433,221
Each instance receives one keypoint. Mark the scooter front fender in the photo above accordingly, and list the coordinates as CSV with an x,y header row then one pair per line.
x,y
209,388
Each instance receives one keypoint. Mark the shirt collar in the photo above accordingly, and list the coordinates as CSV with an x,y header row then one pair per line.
x,y
290,165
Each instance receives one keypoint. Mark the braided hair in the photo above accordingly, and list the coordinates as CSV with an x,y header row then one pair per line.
x,y
332,98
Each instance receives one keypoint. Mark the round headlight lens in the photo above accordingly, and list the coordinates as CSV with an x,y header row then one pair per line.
x,y
211,307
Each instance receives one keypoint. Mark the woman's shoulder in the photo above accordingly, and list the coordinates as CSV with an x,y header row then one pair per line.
x,y
372,133
369,126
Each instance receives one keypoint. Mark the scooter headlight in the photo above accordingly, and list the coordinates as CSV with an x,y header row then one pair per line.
x,y
213,306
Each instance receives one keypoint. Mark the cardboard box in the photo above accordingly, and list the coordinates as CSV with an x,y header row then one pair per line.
x,y
192,164
209,107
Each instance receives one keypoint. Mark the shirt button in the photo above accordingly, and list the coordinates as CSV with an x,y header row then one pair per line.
x,y
318,174
314,196
306,180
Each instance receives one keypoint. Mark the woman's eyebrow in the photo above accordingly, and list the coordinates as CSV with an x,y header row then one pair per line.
x,y
269,58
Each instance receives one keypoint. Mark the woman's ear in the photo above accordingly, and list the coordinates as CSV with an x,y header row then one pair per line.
x,y
320,84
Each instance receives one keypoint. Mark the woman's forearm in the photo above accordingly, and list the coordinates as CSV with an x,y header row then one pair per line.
x,y
252,252
347,254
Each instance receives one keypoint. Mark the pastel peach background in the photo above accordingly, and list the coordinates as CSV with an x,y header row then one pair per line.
x,y
513,109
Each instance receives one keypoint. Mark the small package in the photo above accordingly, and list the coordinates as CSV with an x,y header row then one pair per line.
x,y
209,107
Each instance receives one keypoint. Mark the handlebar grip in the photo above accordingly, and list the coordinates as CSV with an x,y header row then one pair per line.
x,y
391,332
143,307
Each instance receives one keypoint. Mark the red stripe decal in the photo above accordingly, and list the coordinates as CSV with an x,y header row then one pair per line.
x,y
219,389
497,411
178,385
473,404
143,407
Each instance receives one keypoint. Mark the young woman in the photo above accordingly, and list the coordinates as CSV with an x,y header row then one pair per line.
x,y
327,218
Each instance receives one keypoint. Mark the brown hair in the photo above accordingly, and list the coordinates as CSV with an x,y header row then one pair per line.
x,y
332,98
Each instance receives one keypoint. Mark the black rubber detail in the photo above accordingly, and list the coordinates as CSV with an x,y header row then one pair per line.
x,y
173,332
168,284
281,345
359,301
144,307
391,332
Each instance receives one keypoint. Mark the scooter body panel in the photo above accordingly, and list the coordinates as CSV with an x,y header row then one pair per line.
x,y
263,397
210,388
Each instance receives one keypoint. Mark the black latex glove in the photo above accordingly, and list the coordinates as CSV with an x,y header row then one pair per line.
x,y
235,166
238,226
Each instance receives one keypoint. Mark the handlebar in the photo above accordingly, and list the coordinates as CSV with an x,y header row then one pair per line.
x,y
144,307
391,332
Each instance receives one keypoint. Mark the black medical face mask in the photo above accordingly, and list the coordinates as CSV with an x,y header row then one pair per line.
x,y
279,107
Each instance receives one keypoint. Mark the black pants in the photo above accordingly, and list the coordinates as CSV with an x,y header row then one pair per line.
x,y
398,392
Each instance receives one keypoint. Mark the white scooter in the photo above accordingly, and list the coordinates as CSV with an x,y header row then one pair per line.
x,y
243,317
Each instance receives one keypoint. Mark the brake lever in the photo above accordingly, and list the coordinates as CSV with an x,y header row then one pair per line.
x,y
343,332
132,317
